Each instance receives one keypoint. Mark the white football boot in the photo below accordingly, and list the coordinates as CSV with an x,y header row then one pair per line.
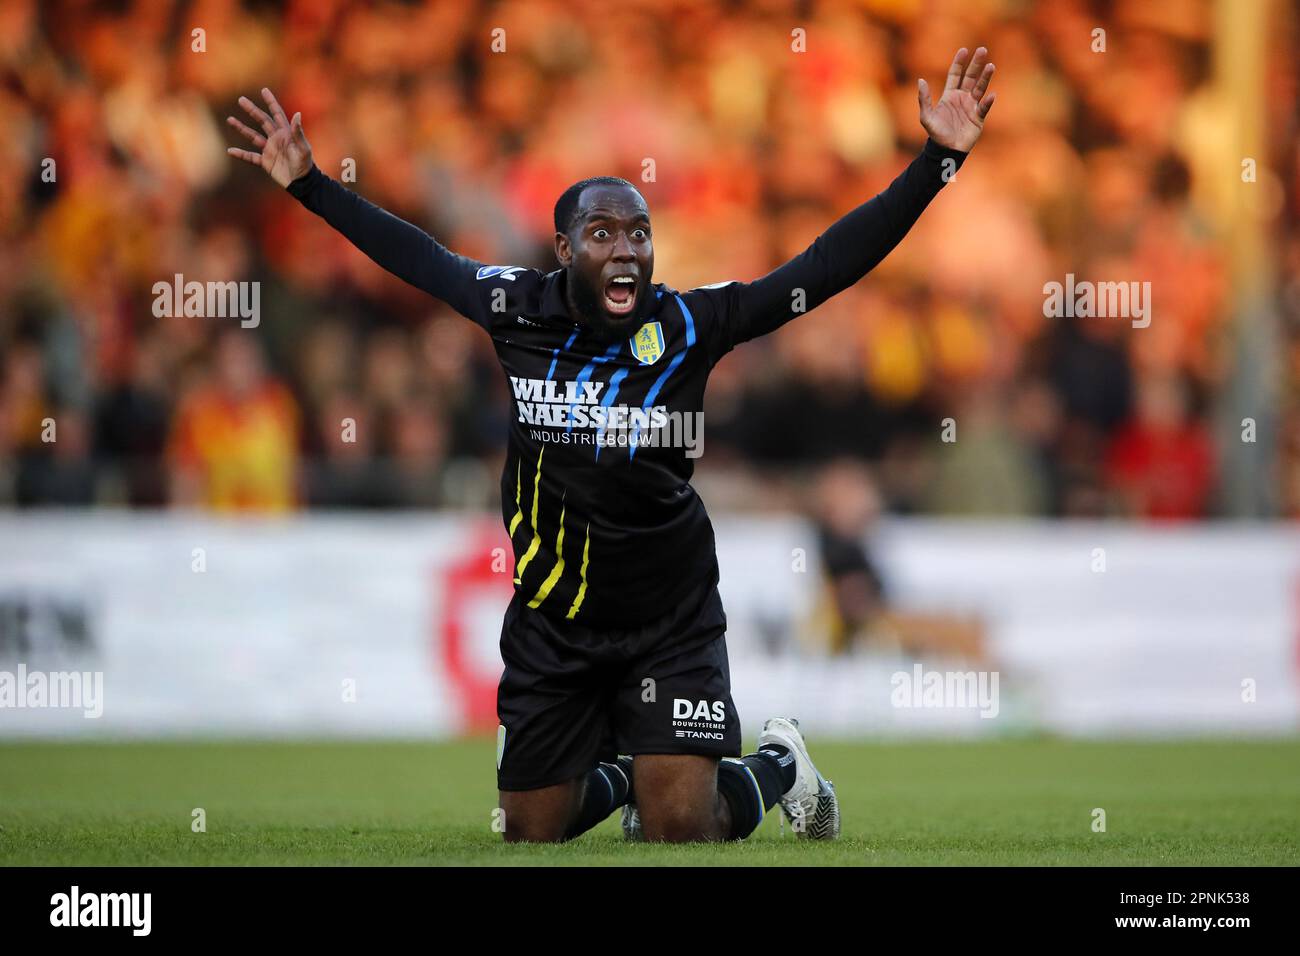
x,y
810,805
631,818
632,824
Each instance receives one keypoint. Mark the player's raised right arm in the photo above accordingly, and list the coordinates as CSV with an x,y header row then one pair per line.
x,y
405,250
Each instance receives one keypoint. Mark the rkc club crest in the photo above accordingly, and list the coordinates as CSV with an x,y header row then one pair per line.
x,y
648,343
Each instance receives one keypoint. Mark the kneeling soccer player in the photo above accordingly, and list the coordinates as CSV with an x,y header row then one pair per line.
x,y
614,640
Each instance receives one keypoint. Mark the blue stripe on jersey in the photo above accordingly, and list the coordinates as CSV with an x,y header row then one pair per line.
x,y
586,374
555,355
614,382
690,321
672,367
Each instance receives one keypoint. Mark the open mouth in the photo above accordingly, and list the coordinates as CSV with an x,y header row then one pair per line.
x,y
620,295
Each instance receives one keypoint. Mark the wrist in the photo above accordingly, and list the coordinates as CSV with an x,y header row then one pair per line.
x,y
936,150
946,159
306,182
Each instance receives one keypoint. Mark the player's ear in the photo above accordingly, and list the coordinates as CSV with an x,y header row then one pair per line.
x,y
563,249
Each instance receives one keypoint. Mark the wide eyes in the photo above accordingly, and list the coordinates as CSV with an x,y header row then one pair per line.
x,y
640,234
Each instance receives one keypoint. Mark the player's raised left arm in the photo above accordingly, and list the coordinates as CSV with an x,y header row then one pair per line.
x,y
858,241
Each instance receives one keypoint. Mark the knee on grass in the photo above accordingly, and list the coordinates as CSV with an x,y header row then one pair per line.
x,y
533,831
678,824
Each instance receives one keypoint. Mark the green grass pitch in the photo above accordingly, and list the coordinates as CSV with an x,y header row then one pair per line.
x,y
1024,801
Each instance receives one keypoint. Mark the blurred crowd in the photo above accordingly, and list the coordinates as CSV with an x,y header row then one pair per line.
x,y
940,372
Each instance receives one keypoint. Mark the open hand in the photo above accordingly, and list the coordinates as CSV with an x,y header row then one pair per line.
x,y
285,153
957,120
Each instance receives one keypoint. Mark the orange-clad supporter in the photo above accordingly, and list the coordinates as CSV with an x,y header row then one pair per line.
x,y
234,443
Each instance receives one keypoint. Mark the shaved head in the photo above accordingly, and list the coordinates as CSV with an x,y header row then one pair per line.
x,y
568,206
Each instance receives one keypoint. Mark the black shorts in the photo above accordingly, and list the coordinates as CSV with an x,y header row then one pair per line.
x,y
573,695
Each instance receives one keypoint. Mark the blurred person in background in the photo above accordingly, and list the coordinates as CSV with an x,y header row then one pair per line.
x,y
855,613
24,407
1161,463
132,424
343,472
419,450
60,471
845,506
234,443
988,467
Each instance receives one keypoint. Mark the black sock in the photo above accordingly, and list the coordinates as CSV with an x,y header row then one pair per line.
x,y
753,784
625,764
607,788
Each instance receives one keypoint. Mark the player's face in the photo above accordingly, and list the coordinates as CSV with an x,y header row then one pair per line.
x,y
610,258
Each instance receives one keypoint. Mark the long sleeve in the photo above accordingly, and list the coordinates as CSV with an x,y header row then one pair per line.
x,y
405,250
850,248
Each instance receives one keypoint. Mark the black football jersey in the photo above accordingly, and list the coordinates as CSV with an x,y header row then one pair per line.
x,y
596,493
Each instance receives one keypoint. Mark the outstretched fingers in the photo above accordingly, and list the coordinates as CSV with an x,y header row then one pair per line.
x,y
986,104
974,70
955,70
253,110
982,86
246,155
281,120
252,135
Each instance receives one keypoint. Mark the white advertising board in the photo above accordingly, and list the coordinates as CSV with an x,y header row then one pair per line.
x,y
387,626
